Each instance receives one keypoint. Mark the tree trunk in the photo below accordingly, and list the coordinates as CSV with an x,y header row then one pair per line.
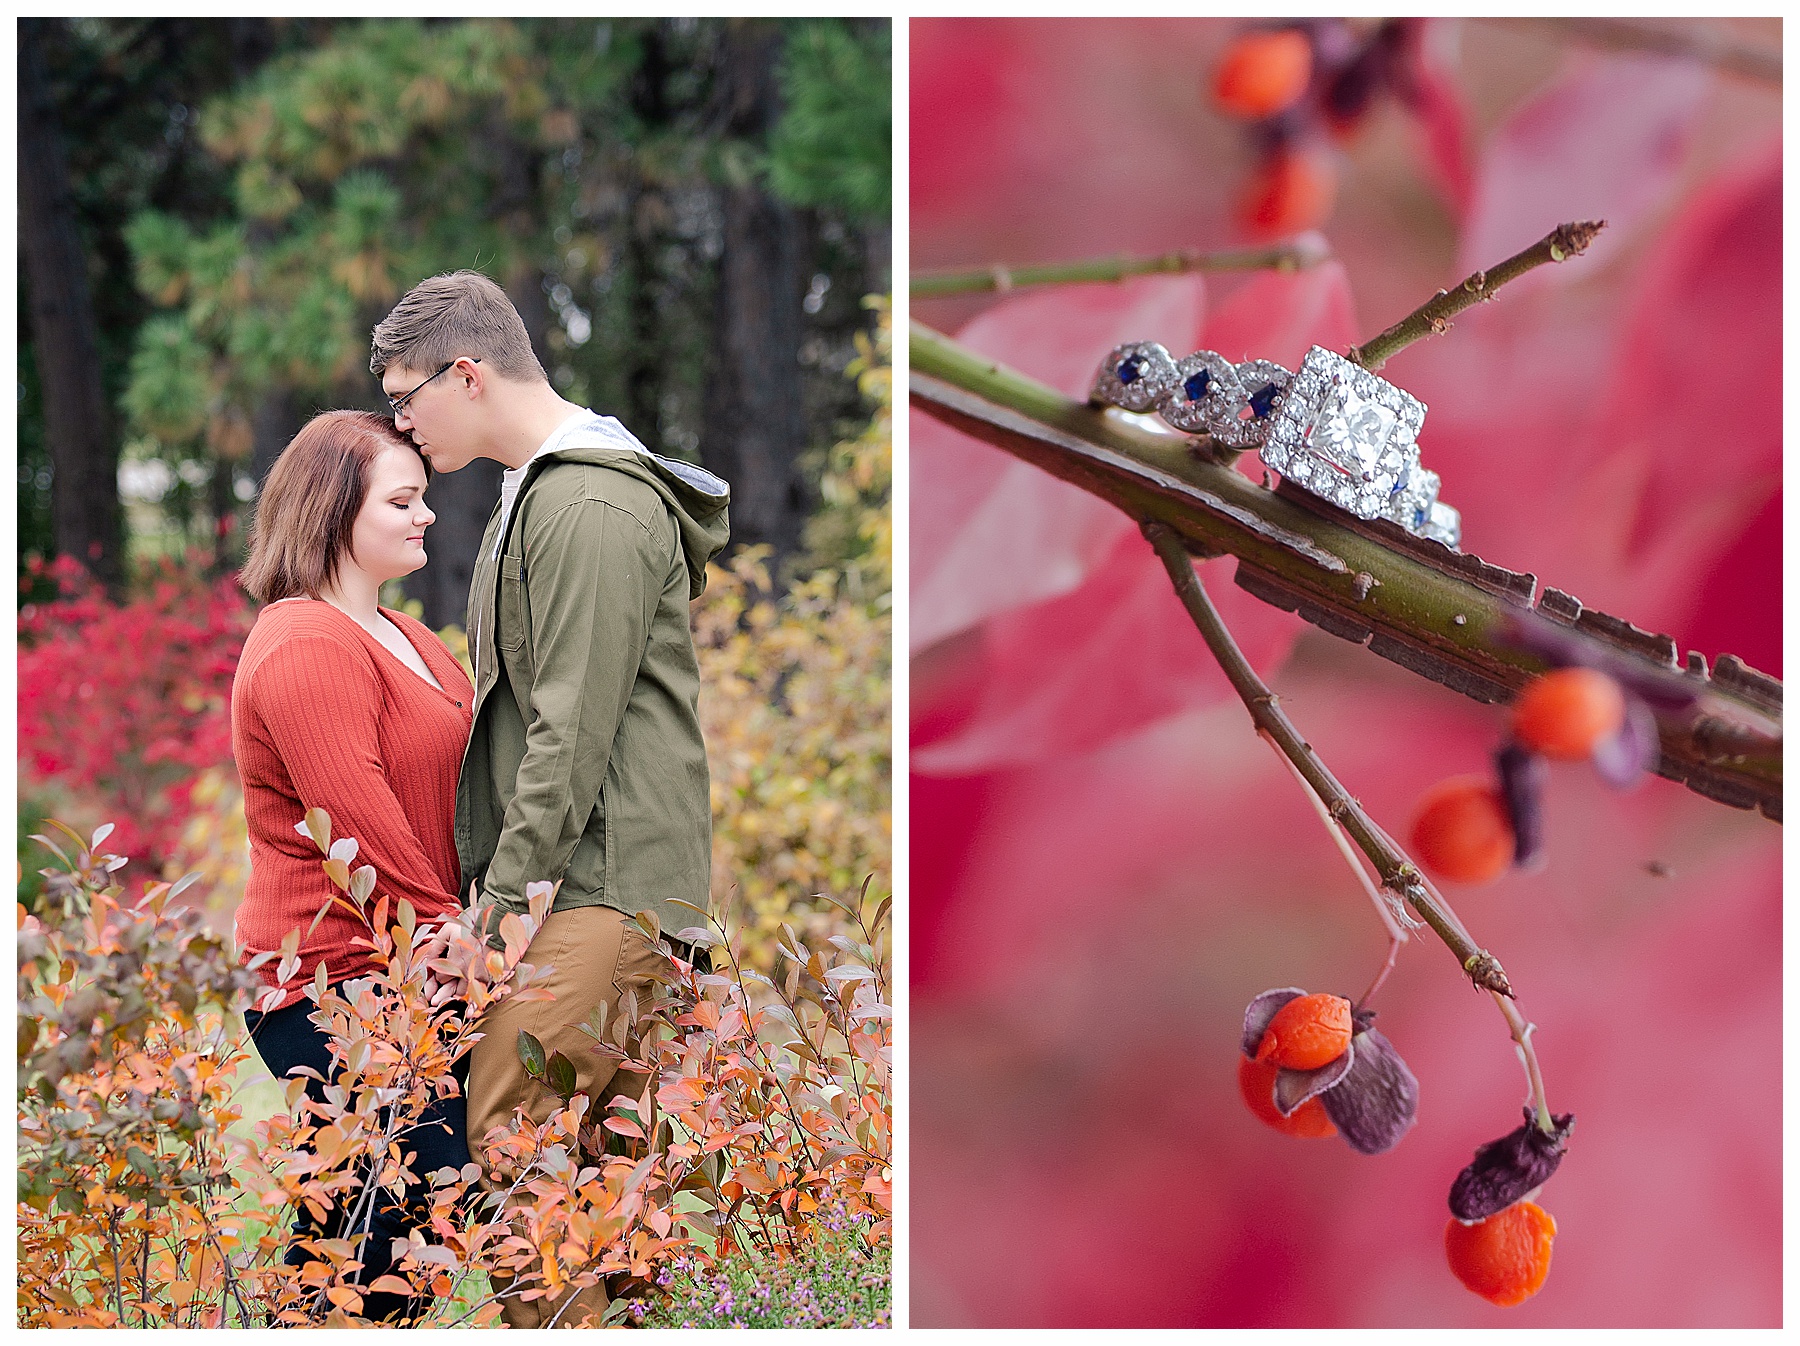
x,y
643,239
84,457
755,427
878,255
274,423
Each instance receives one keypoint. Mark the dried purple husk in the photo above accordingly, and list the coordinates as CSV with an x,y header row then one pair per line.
x,y
1622,760
1259,1012
1523,775
1560,647
1377,1101
1294,1087
1505,1170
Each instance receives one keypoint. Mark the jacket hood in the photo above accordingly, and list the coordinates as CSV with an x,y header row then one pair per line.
x,y
699,500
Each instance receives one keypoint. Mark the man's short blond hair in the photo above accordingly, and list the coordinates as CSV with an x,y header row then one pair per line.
x,y
446,317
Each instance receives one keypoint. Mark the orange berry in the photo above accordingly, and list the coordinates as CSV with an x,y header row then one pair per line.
x,y
1505,1257
1256,1079
1263,73
1307,1032
1462,831
1292,192
1566,714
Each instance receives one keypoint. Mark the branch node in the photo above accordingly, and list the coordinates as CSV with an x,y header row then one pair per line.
x,y
1486,973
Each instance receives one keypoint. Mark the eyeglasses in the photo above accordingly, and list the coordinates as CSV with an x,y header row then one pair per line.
x,y
397,403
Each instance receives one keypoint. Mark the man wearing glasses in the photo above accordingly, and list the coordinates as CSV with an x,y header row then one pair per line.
x,y
585,764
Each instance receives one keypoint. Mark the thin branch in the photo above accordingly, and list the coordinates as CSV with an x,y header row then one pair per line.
x,y
1521,1034
1295,254
1694,42
1398,874
1433,317
1396,935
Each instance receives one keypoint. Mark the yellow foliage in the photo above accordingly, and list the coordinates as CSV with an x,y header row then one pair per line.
x,y
794,705
853,532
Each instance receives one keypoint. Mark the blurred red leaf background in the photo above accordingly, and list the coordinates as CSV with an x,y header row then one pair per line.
x,y
1107,865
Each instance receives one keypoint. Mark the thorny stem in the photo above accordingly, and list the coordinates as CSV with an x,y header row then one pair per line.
x,y
1398,873
1294,254
1432,318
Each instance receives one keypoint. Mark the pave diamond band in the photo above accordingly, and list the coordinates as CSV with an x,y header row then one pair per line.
x,y
1332,428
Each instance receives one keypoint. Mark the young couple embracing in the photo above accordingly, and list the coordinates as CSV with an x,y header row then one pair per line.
x,y
575,757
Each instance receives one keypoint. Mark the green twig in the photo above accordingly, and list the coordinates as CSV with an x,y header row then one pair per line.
x,y
1295,254
1433,317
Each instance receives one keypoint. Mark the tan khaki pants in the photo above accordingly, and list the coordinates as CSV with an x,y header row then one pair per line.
x,y
598,954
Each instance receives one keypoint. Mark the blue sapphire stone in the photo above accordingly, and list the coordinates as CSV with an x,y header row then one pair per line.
x,y
1130,368
1262,400
1195,387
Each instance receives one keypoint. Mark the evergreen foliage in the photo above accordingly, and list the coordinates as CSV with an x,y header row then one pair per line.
x,y
833,146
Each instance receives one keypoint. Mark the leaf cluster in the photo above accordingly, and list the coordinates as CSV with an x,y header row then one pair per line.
x,y
126,1068
749,1127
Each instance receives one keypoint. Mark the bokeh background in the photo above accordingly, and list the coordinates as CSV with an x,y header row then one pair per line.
x,y
1105,862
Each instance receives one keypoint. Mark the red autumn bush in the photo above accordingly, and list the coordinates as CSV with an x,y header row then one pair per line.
x,y
123,704
142,1203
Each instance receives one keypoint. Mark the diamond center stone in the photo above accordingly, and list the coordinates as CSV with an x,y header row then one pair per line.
x,y
1352,432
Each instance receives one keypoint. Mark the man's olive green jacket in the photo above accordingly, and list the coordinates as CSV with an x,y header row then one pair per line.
x,y
585,763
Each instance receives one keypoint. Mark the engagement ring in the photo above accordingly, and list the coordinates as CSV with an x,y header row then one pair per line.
x,y
1333,428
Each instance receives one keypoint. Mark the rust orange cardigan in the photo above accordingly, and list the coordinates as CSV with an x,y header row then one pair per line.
x,y
325,716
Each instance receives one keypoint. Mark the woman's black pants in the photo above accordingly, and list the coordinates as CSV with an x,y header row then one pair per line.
x,y
287,1038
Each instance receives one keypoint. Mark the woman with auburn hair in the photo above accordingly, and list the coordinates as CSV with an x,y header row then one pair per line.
x,y
347,706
